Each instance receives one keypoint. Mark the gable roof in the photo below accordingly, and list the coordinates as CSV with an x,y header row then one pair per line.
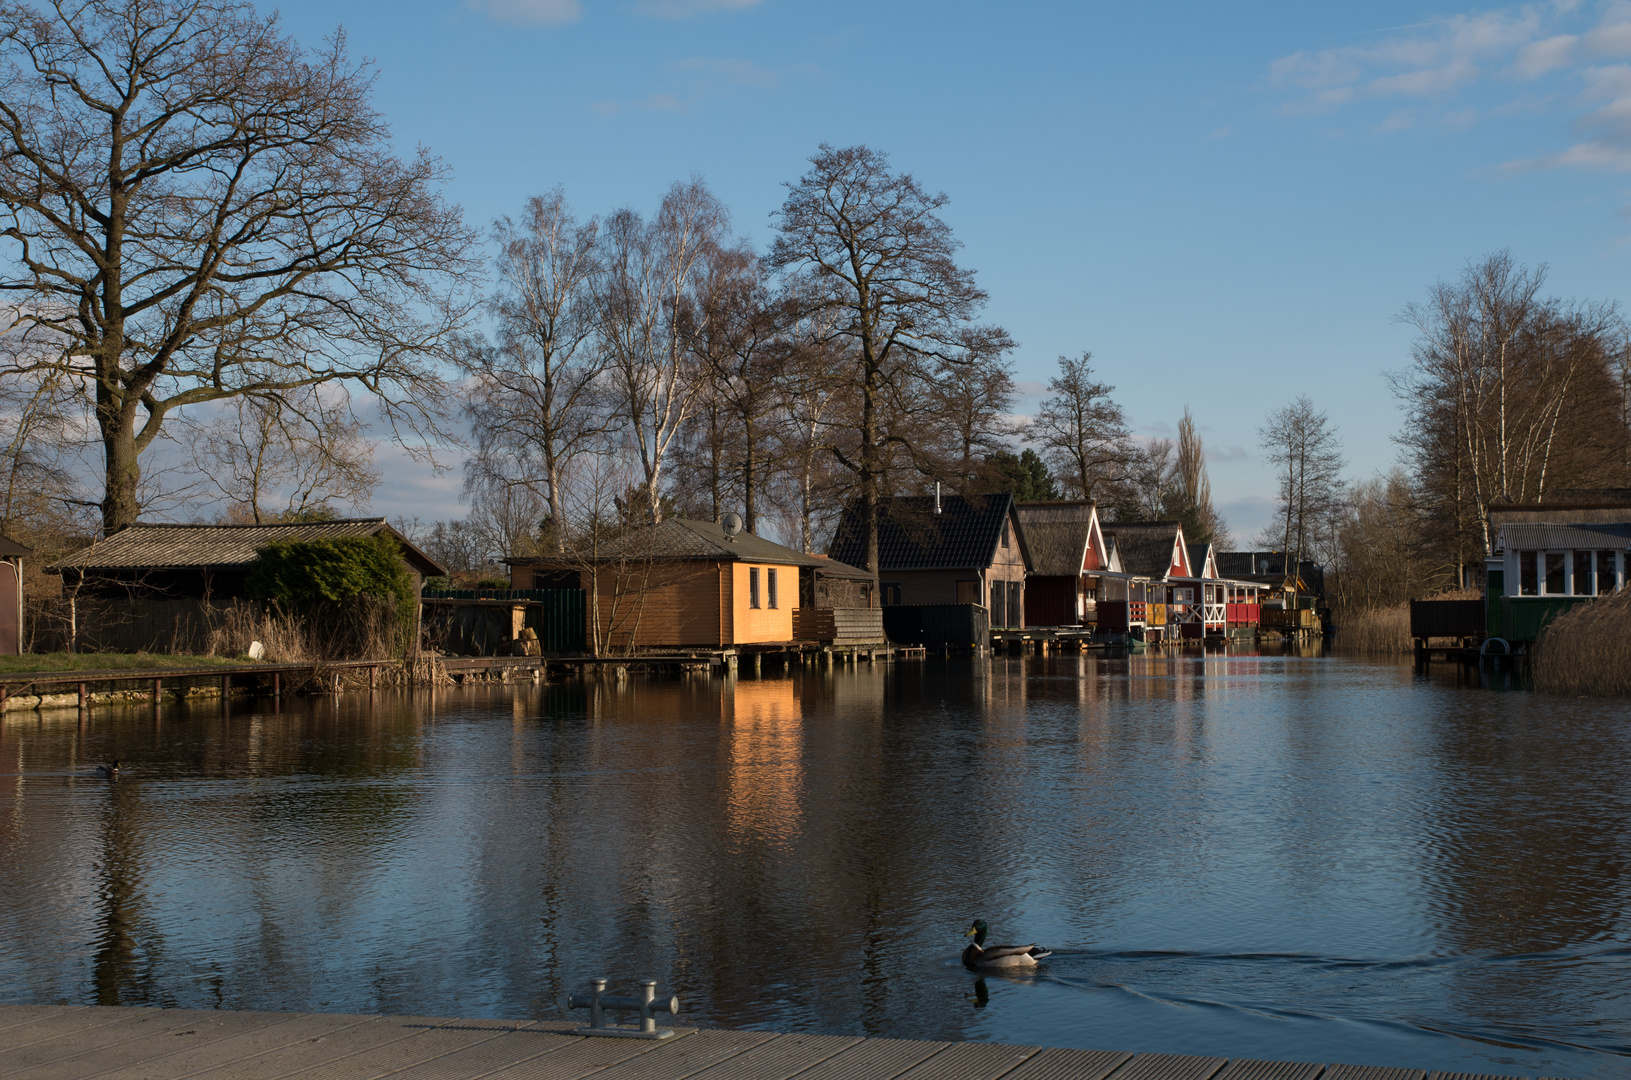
x,y
1535,536
1056,536
911,536
1146,547
1200,555
11,549
158,546
705,541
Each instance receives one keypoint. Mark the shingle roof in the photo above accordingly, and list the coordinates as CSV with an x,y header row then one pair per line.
x,y
1197,558
1055,535
911,536
11,549
144,546
1583,535
683,538
1145,546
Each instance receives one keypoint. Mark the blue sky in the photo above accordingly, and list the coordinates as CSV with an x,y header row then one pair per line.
x,y
1228,204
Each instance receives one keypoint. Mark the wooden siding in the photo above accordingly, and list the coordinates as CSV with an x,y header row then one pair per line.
x,y
1051,601
661,604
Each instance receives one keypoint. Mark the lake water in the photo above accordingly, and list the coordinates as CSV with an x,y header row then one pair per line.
x,y
1260,856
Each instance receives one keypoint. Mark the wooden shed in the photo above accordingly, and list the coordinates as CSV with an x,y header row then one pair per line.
x,y
690,584
1065,552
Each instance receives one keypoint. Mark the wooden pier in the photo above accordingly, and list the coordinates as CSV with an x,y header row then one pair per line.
x,y
68,1042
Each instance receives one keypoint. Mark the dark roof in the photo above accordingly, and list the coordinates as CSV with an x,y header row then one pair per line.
x,y
11,549
1197,558
144,546
911,536
1055,536
683,538
1584,535
1145,546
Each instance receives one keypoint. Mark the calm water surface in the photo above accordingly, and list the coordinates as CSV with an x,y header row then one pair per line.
x,y
1242,855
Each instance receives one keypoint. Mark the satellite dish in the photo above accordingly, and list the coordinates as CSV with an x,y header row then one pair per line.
x,y
731,523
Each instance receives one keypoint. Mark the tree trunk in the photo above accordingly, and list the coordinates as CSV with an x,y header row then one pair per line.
x,y
119,503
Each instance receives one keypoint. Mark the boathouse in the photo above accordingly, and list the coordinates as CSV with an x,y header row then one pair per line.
x,y
1064,549
686,584
944,551
1542,568
1145,558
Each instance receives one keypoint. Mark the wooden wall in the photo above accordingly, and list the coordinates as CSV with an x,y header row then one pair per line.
x,y
751,625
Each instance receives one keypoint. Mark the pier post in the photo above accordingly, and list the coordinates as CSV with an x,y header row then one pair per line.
x,y
84,698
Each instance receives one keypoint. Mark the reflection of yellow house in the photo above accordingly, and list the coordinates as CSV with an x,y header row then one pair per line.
x,y
684,583
765,765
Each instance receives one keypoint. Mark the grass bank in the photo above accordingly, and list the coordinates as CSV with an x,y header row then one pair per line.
x,y
29,662
1586,652
1385,630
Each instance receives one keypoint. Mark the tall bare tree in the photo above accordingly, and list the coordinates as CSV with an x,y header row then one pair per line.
x,y
1510,396
535,399
297,449
649,272
1191,498
197,208
877,256
1082,431
1305,452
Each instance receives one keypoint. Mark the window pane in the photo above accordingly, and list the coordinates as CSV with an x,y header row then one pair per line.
x,y
771,584
1606,578
753,587
1527,585
1554,573
1582,573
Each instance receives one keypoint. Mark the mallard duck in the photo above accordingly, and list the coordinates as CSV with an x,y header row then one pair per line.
x,y
998,956
109,771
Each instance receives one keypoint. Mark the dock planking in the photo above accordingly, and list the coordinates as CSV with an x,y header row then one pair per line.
x,y
74,1042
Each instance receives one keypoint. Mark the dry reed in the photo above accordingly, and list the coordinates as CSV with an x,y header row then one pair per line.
x,y
1586,652
1379,630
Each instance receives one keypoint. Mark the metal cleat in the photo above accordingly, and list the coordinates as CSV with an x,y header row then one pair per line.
x,y
647,1005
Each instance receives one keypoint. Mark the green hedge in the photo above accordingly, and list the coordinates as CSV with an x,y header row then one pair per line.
x,y
310,575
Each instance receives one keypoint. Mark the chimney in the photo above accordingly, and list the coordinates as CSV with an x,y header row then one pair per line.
x,y
937,496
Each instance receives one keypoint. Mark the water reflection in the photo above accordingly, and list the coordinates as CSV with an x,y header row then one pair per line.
x,y
1253,853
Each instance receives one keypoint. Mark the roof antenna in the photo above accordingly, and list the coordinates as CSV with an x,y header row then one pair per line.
x,y
937,496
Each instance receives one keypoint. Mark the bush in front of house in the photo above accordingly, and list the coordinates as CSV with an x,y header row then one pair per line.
x,y
340,588
1585,652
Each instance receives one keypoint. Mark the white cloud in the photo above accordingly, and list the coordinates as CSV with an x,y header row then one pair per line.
x,y
1560,48
689,9
530,12
731,72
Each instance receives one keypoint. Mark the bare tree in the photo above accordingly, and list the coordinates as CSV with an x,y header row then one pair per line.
x,y
197,208
646,283
1509,396
1082,431
295,448
1191,499
535,399
1304,449
1146,487
876,257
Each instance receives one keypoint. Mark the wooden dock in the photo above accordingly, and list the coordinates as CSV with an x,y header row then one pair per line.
x,y
67,1042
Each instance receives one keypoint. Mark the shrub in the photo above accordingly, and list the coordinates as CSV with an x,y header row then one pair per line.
x,y
323,579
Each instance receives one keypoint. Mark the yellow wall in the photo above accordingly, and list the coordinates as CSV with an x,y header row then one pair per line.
x,y
749,625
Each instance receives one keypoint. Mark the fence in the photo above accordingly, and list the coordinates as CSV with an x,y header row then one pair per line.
x,y
937,624
557,616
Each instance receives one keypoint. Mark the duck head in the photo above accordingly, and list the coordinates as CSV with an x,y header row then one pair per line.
x,y
977,932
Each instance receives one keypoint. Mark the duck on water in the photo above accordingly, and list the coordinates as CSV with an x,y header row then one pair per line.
x,y
979,955
110,772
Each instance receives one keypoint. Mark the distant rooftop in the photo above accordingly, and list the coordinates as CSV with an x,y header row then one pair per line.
x,y
159,546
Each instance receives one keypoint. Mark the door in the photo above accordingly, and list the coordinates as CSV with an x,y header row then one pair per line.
x,y
11,630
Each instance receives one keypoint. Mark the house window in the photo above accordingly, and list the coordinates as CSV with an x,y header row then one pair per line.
x,y
1554,574
1528,583
753,587
891,593
1582,573
1005,534
1607,579
770,585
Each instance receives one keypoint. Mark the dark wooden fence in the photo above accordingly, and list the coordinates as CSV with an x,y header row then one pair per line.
x,y
937,624
1447,618
557,616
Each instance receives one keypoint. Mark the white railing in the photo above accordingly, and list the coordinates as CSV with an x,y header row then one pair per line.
x,y
1216,613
